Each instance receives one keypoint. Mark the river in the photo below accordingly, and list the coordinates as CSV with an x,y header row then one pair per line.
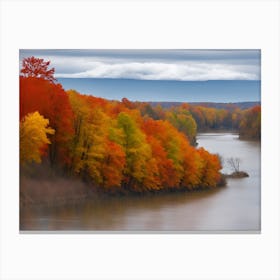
x,y
235,207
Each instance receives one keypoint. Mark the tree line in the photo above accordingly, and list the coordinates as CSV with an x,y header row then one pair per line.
x,y
191,119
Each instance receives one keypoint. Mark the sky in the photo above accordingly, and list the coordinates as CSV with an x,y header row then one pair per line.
x,y
158,75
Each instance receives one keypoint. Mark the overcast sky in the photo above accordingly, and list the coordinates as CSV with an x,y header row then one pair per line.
x,y
178,65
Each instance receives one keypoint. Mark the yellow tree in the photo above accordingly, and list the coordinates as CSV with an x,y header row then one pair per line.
x,y
138,153
182,119
88,145
33,137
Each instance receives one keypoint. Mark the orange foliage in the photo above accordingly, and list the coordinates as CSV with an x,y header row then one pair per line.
x,y
211,166
165,167
113,165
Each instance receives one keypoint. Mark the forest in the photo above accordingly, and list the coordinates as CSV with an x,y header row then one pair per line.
x,y
191,119
120,146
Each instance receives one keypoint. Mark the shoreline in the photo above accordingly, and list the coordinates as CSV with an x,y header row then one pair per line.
x,y
88,192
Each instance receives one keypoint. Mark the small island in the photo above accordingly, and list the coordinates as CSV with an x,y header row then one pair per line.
x,y
237,175
234,164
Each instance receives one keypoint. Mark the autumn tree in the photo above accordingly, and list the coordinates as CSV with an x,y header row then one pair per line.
x,y
137,151
250,124
164,170
112,166
192,164
37,68
210,169
127,103
184,122
87,146
34,132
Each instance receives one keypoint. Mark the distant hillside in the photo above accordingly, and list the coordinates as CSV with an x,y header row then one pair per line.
x,y
240,105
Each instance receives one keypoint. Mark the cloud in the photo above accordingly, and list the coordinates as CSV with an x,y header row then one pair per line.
x,y
188,71
180,65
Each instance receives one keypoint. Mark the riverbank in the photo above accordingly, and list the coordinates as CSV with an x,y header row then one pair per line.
x,y
59,191
218,130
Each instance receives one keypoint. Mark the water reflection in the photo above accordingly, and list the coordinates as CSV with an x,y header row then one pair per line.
x,y
116,213
236,207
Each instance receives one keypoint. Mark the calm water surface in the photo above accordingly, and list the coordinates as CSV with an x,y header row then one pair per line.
x,y
233,208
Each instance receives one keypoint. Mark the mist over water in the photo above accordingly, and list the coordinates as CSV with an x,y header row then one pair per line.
x,y
233,208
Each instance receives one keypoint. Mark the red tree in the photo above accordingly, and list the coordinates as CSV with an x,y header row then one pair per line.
x,y
37,68
38,92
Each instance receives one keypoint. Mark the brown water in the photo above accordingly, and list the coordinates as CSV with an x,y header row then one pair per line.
x,y
233,208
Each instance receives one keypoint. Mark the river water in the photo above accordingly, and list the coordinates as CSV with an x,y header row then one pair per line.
x,y
235,207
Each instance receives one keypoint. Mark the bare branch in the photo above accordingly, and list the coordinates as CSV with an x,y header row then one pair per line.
x,y
234,163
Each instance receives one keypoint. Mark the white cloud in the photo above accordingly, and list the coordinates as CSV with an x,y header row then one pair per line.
x,y
182,71
153,69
